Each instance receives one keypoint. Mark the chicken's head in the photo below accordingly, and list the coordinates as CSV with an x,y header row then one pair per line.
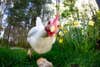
x,y
52,26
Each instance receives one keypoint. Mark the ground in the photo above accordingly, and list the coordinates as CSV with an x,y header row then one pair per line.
x,y
60,56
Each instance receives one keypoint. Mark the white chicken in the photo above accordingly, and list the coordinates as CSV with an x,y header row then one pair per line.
x,y
41,37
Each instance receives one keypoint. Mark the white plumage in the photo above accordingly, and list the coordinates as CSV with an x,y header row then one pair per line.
x,y
38,39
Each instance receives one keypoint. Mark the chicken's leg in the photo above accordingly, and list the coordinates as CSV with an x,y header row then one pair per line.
x,y
29,53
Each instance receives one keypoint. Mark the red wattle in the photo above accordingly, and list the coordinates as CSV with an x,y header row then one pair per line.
x,y
49,32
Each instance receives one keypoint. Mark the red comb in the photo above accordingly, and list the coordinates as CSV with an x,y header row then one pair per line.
x,y
56,19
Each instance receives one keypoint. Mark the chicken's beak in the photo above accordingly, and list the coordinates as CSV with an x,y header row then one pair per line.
x,y
52,28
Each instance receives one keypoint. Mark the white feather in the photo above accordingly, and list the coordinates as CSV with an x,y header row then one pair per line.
x,y
39,23
38,40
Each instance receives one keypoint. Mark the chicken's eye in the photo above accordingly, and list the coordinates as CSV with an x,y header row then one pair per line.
x,y
49,22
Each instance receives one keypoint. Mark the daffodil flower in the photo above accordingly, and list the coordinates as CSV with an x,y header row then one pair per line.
x,y
61,40
61,33
76,24
91,23
65,31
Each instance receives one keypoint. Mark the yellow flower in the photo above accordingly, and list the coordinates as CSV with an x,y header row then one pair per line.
x,y
76,24
91,23
61,33
65,31
61,40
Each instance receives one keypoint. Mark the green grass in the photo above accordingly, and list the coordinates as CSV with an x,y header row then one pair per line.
x,y
77,48
61,55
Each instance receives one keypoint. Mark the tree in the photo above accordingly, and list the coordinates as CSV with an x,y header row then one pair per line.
x,y
21,18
